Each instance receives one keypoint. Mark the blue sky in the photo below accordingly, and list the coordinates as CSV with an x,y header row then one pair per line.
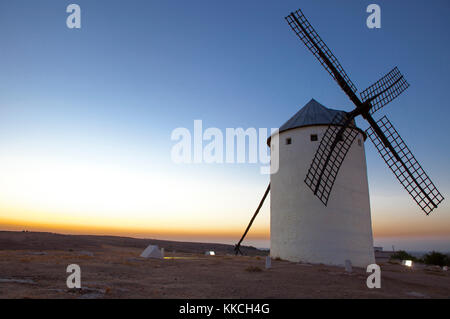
x,y
112,92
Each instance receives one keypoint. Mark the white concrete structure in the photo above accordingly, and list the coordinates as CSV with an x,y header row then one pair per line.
x,y
348,266
268,262
302,228
152,252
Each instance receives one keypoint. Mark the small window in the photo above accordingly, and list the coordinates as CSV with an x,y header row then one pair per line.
x,y
359,142
314,137
288,141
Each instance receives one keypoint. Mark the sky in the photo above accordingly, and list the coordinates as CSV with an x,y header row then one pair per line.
x,y
86,115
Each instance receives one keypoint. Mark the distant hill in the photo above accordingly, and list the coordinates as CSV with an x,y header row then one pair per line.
x,y
51,241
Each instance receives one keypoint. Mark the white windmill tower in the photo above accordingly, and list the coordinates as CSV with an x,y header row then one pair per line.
x,y
301,227
338,227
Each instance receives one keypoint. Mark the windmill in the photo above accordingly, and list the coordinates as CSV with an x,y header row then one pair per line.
x,y
341,132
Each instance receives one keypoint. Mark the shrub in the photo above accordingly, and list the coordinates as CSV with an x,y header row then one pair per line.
x,y
436,258
403,255
253,269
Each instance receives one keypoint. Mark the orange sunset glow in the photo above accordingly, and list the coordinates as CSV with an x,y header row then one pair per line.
x,y
87,118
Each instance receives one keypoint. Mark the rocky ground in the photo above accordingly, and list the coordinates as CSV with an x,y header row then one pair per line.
x,y
33,265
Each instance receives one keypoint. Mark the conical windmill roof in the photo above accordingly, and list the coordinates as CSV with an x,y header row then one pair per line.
x,y
313,113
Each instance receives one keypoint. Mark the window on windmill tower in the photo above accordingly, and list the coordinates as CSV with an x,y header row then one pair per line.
x,y
314,137
288,141
359,142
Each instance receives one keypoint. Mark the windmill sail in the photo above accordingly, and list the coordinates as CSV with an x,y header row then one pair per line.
x,y
385,90
331,153
333,148
405,166
303,29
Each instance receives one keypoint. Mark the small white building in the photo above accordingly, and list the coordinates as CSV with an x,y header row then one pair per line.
x,y
152,251
302,228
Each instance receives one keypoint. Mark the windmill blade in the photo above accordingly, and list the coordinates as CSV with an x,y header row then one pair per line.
x,y
333,148
303,29
385,90
404,165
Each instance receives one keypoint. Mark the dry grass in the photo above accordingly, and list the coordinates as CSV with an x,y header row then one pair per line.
x,y
118,272
253,269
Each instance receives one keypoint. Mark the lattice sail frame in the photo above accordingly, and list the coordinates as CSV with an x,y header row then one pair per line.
x,y
385,90
322,173
426,195
311,34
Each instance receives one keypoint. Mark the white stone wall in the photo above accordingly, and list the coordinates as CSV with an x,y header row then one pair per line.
x,y
301,227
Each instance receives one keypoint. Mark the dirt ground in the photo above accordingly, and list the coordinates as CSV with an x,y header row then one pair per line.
x,y
111,268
